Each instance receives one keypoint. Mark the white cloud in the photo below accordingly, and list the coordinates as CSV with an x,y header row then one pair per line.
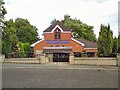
x,y
41,12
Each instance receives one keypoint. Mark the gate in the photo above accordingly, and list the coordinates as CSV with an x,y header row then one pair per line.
x,y
60,57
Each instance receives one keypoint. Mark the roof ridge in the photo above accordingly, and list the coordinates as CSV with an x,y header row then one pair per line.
x,y
49,29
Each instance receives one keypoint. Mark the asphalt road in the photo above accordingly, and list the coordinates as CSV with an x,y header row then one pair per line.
x,y
37,76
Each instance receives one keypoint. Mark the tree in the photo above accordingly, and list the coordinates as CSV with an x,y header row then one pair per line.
x,y
79,29
25,31
105,41
119,42
19,31
2,12
53,21
115,46
10,39
24,49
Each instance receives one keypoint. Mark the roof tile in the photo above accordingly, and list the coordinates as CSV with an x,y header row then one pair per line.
x,y
88,44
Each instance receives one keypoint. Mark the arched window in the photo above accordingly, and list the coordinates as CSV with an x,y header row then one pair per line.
x,y
57,34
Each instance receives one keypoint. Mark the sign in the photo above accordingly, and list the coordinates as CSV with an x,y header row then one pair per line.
x,y
57,41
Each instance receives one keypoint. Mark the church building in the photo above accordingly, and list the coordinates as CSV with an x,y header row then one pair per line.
x,y
59,43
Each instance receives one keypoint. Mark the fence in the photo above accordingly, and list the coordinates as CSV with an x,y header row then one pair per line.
x,y
40,59
20,55
22,60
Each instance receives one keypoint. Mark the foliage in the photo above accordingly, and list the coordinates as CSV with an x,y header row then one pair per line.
x,y
53,21
119,43
105,41
115,46
25,31
79,29
17,33
2,12
10,39
24,49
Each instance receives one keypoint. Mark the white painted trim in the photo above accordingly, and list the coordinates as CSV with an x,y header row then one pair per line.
x,y
57,47
77,41
62,32
57,26
48,32
66,32
36,42
90,48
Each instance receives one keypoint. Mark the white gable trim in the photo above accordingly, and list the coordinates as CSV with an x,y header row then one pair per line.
x,y
77,41
90,48
48,32
36,42
62,32
66,32
57,26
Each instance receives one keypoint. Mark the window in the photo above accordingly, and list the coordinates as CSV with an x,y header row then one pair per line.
x,y
57,34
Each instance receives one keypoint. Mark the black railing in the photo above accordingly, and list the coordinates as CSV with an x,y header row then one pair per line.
x,y
20,55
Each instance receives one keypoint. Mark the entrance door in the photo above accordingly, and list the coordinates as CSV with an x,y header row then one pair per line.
x,y
60,57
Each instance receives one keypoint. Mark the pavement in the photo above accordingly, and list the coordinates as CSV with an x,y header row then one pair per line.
x,y
59,66
58,75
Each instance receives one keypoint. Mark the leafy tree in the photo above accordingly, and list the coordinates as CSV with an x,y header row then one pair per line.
x,y
10,39
115,46
24,48
2,12
25,31
19,31
79,29
105,41
53,21
119,43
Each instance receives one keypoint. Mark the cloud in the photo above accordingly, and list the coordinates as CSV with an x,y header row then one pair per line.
x,y
41,12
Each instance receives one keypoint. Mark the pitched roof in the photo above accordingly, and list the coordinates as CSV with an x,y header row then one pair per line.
x,y
78,41
51,27
37,42
88,44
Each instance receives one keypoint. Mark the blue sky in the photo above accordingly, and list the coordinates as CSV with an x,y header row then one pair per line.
x,y
41,12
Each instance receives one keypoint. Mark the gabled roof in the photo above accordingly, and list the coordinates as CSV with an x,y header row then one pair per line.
x,y
60,24
87,44
37,42
78,41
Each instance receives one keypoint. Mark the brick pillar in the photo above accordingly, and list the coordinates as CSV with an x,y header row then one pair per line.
x,y
2,58
118,59
50,56
42,58
71,58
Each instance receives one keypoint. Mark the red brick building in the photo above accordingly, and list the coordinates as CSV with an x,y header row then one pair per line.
x,y
58,42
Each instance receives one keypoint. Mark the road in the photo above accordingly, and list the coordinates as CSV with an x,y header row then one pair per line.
x,y
45,76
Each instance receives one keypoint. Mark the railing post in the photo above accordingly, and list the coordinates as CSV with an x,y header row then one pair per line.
x,y
42,58
71,58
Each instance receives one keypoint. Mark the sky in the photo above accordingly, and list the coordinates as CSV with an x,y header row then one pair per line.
x,y
41,12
